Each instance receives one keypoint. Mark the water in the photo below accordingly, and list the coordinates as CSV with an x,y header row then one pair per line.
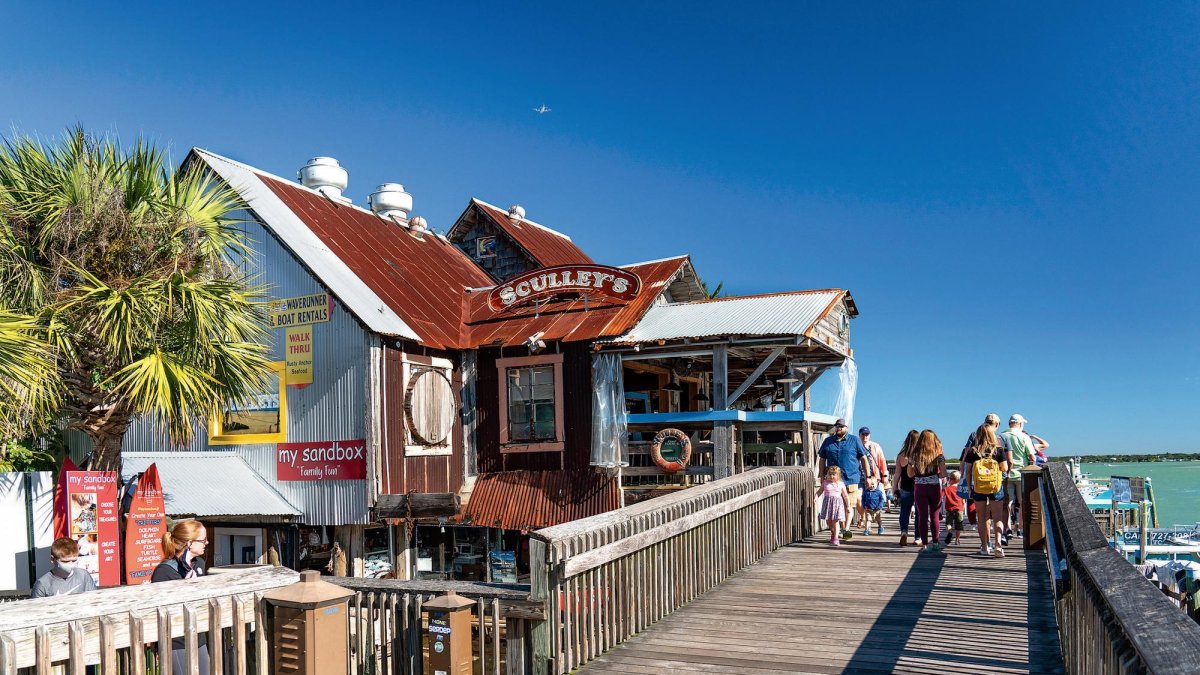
x,y
1176,486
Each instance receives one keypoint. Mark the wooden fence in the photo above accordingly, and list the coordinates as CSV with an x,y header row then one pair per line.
x,y
1111,618
604,578
119,628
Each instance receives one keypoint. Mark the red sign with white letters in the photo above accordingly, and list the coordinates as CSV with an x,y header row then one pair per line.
x,y
145,525
608,283
321,460
91,520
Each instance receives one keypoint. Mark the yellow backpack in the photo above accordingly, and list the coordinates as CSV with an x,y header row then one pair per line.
x,y
986,477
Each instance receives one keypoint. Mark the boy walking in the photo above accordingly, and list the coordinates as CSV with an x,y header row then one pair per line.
x,y
956,508
873,500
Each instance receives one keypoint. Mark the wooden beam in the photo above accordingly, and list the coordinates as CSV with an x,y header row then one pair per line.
x,y
762,367
722,437
422,505
806,385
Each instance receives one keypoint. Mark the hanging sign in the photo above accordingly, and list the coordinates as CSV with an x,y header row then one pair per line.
x,y
305,309
89,516
299,356
145,525
612,283
323,460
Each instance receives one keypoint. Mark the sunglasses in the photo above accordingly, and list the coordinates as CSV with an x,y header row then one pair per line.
x,y
200,541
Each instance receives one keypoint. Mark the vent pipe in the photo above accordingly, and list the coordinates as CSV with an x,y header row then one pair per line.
x,y
391,201
516,212
326,176
418,224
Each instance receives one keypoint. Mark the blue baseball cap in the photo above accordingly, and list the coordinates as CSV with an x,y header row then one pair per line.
x,y
864,432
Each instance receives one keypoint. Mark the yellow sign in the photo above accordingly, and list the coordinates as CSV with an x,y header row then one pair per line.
x,y
299,311
299,356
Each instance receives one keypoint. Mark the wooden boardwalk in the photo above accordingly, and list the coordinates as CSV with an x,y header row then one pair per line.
x,y
868,607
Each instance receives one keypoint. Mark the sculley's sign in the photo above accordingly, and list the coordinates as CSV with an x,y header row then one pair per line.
x,y
612,283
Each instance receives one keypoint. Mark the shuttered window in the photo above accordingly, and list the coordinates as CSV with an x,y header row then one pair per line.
x,y
430,406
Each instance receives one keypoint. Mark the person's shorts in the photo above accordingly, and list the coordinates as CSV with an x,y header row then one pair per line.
x,y
1012,487
855,495
975,496
954,519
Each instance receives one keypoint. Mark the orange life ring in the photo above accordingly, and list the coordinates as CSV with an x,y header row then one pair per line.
x,y
685,450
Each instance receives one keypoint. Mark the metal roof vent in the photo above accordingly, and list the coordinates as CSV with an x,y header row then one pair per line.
x,y
418,224
516,212
326,176
391,201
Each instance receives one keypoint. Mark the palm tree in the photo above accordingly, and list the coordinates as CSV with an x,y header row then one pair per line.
x,y
27,384
131,271
714,293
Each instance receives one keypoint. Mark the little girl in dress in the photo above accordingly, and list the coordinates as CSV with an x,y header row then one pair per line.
x,y
835,503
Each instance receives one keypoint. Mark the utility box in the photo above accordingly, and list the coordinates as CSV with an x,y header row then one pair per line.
x,y
1033,521
310,627
448,638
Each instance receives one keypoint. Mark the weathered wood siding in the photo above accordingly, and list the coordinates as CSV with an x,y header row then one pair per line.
x,y
577,414
834,329
509,261
403,472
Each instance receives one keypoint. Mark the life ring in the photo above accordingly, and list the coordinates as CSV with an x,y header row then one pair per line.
x,y
671,437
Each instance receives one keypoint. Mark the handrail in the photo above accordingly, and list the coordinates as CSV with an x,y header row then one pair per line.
x,y
604,578
1111,618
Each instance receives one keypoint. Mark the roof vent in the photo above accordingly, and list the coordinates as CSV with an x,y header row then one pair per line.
x,y
391,201
326,176
516,212
418,224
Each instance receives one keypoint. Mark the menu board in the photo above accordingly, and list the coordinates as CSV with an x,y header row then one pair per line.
x,y
91,520
145,525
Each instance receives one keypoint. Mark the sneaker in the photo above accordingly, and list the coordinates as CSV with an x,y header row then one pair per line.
x,y
999,552
904,540
983,550
866,531
879,531
848,535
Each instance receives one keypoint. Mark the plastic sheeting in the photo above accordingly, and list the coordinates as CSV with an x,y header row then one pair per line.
x,y
610,423
848,381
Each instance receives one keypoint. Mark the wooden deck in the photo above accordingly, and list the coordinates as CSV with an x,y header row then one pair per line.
x,y
868,607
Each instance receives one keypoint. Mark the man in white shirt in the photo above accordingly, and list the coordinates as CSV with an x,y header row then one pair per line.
x,y
1021,452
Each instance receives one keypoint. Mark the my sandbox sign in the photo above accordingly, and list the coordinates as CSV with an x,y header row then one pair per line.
x,y
321,460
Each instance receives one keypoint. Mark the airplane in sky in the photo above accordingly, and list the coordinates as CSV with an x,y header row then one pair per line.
x,y
542,109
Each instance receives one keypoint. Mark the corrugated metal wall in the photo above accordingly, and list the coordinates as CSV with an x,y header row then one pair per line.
x,y
332,408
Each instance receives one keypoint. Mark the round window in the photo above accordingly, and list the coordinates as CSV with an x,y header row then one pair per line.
x,y
429,407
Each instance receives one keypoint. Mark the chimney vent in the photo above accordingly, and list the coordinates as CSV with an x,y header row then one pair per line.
x,y
326,176
418,224
391,201
516,212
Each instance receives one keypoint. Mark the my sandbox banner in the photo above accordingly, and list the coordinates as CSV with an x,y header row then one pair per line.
x,y
321,460
145,525
91,519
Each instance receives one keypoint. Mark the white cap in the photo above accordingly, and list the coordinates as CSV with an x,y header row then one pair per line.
x,y
1016,419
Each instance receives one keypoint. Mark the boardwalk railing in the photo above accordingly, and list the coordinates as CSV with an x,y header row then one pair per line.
x,y
1111,618
75,631
605,578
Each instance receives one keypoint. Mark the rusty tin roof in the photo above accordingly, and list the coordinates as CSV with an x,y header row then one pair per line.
x,y
527,500
546,246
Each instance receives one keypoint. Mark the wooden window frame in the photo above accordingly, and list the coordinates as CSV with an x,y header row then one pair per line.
x,y
409,361
216,431
502,366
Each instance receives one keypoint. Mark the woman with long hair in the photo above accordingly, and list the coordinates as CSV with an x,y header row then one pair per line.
x,y
183,558
926,467
987,486
904,483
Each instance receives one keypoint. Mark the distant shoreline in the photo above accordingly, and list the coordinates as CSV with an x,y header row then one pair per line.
x,y
1162,457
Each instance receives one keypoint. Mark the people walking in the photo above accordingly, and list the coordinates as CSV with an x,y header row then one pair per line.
x,y
927,466
990,420
835,503
903,483
65,577
876,465
956,508
848,454
986,465
1021,453
183,558
873,499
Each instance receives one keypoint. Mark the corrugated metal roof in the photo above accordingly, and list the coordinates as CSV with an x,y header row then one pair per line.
x,y
209,484
333,271
527,500
772,314
567,319
548,247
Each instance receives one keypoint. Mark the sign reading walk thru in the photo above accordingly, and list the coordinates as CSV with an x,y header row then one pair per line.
x,y
299,356
145,525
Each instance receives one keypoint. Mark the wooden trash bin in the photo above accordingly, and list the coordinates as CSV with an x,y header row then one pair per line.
x,y
1033,522
449,635
310,627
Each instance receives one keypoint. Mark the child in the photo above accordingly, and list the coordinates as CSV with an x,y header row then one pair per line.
x,y
956,508
835,503
873,500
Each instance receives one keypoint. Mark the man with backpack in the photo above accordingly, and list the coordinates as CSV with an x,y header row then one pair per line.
x,y
1021,453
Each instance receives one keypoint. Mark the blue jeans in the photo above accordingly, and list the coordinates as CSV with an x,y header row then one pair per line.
x,y
906,507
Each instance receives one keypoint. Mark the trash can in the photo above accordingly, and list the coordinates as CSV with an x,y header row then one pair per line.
x,y
1032,519
448,637
310,627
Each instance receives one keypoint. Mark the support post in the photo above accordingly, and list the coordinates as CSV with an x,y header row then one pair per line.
x,y
1143,532
722,431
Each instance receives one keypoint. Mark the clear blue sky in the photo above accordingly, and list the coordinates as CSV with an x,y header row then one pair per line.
x,y
1010,191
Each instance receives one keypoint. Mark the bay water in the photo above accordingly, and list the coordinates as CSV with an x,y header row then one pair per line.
x,y
1176,486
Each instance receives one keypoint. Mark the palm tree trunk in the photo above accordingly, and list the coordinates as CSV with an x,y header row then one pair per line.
x,y
106,443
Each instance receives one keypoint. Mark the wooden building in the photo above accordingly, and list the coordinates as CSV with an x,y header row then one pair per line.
x,y
439,396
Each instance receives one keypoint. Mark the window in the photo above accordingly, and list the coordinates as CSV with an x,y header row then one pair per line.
x,y
261,419
430,406
531,415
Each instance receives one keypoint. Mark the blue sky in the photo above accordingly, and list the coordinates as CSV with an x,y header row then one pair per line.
x,y
1010,192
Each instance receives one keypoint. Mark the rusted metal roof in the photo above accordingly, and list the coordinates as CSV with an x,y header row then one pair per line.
x,y
421,278
569,320
546,246
527,500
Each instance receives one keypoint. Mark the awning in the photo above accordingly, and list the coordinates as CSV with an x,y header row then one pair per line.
x,y
528,500
211,485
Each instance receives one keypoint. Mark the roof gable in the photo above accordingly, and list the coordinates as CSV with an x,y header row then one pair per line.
x,y
543,246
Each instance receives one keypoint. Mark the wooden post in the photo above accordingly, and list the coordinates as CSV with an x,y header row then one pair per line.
x,y
543,641
1143,532
514,629
723,458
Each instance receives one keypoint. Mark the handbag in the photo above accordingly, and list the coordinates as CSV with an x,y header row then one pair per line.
x,y
964,488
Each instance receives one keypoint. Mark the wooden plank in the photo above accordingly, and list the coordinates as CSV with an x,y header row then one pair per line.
x,y
137,645
8,655
514,631
75,637
44,657
216,645
423,505
262,651
191,642
753,377
240,618
164,641
598,556
108,647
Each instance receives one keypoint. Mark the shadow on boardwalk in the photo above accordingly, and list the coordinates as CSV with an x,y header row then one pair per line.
x,y
868,607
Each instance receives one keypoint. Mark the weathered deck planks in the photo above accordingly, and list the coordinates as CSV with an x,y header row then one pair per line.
x,y
869,606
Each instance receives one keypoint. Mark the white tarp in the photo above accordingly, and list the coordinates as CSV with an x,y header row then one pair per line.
x,y
610,423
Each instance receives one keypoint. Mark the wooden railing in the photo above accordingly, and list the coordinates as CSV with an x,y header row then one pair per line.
x,y
604,578
1111,619
120,628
